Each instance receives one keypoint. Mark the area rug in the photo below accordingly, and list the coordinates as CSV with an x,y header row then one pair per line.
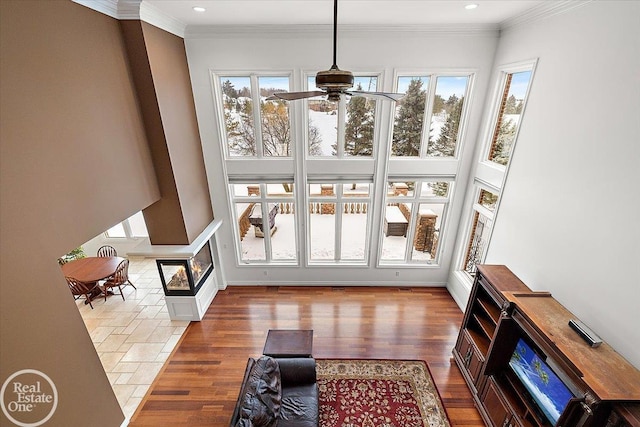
x,y
378,393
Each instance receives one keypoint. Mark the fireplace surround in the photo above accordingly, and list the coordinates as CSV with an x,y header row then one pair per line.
x,y
186,276
189,273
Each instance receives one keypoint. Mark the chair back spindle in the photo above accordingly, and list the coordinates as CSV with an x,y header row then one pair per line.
x,y
107,250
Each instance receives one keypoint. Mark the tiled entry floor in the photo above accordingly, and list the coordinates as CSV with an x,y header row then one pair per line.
x,y
133,337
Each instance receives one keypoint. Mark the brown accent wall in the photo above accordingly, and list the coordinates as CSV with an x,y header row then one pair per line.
x,y
160,71
73,161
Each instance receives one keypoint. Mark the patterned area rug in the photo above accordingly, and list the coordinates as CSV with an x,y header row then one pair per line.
x,y
378,393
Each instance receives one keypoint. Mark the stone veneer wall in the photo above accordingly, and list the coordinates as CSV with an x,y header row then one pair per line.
x,y
327,208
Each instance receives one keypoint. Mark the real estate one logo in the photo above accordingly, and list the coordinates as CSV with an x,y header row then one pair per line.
x,y
28,398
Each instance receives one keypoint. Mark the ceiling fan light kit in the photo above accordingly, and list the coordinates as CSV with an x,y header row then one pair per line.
x,y
335,82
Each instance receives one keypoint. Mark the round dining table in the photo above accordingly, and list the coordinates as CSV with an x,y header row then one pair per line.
x,y
91,269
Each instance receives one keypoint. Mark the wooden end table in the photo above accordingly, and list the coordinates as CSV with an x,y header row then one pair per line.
x,y
289,343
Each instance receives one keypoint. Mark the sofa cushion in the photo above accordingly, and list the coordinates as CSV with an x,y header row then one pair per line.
x,y
260,405
299,406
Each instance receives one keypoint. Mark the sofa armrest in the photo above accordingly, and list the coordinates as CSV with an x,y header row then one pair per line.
x,y
297,370
236,410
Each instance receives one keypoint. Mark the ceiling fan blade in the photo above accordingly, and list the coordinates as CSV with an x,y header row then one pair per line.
x,y
377,95
292,96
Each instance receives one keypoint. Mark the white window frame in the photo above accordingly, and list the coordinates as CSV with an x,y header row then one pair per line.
x,y
127,230
489,175
300,168
339,200
416,200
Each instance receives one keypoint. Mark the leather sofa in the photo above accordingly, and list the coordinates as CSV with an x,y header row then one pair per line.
x,y
278,392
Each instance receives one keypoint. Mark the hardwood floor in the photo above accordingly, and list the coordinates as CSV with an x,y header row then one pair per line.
x,y
199,384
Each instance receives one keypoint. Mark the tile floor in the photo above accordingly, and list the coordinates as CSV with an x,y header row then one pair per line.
x,y
133,337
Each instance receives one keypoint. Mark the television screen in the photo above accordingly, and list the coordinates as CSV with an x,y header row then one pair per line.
x,y
549,392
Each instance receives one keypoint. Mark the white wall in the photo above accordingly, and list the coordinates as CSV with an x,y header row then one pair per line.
x,y
569,216
309,50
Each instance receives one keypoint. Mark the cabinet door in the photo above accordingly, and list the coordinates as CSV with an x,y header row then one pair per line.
x,y
471,358
495,405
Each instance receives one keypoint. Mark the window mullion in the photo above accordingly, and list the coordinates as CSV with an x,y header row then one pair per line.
x,y
127,229
257,120
338,222
428,111
342,117
266,229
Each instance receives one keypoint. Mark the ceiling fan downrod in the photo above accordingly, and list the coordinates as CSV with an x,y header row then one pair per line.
x,y
334,80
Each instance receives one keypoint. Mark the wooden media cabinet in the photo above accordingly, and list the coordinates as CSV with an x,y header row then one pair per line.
x,y
501,315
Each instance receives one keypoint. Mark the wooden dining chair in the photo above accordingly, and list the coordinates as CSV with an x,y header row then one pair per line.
x,y
107,250
79,289
119,279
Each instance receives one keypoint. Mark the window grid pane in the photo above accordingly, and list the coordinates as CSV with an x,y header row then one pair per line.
x,y
478,241
360,119
274,116
511,106
238,115
409,116
446,115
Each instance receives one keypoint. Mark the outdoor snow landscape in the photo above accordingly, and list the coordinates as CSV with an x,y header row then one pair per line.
x,y
420,130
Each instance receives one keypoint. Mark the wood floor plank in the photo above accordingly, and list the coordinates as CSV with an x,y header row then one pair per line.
x,y
199,384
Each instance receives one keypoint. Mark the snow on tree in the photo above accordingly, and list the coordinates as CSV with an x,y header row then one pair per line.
x,y
315,140
358,136
504,142
445,145
510,106
240,129
229,90
275,125
407,130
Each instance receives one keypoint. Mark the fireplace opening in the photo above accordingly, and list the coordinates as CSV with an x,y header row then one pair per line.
x,y
185,276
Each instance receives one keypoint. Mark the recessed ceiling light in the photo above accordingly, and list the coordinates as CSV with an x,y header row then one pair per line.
x,y
471,6
199,9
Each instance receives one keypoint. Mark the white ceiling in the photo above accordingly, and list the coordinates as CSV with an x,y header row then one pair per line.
x,y
350,12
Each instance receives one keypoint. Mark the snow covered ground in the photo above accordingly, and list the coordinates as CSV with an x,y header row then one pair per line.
x,y
322,243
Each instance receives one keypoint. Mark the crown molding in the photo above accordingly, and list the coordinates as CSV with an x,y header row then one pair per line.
x,y
157,18
322,30
542,11
136,10
107,7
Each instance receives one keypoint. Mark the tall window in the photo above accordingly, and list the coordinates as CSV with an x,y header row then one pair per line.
x,y
344,128
240,95
413,218
437,101
339,221
132,227
509,104
357,159
512,102
481,226
261,210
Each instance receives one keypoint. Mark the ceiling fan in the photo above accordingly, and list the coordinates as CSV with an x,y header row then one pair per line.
x,y
334,81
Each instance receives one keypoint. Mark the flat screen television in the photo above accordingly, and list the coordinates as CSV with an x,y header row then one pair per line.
x,y
548,391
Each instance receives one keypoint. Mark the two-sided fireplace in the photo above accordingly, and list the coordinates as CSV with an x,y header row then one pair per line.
x,y
185,277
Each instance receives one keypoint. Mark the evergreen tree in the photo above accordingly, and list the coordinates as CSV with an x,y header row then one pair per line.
x,y
504,142
407,130
358,135
438,104
229,90
519,106
510,105
445,145
451,104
